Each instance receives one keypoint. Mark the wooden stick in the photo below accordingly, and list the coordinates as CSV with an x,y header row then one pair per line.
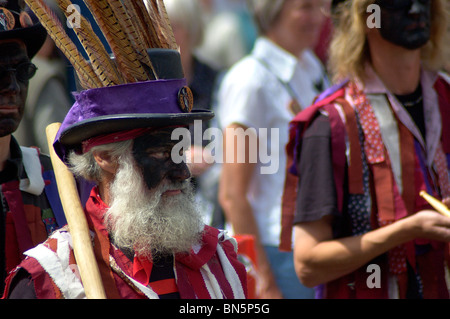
x,y
78,227
438,205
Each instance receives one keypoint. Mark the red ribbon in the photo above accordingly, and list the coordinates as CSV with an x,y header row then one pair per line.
x,y
114,138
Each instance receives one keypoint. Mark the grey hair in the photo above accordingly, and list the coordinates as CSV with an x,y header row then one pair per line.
x,y
85,166
265,12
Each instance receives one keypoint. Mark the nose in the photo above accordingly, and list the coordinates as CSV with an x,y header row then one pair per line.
x,y
179,172
9,83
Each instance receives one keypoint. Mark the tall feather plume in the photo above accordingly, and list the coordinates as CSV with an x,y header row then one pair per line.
x,y
148,23
135,37
101,62
166,27
87,77
124,53
140,27
129,26
156,10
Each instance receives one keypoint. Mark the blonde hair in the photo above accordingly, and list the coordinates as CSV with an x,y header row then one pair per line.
x,y
349,48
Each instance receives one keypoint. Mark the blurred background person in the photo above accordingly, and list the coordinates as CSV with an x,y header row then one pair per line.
x,y
230,32
263,91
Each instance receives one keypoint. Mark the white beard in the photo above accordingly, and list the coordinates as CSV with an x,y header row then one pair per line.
x,y
148,223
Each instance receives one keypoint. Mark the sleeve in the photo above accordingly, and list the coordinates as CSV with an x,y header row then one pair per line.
x,y
243,98
316,196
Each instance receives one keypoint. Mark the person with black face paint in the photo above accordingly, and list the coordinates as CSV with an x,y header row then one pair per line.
x,y
27,215
364,151
149,238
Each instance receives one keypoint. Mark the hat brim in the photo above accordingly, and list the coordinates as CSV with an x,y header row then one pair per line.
x,y
33,37
73,136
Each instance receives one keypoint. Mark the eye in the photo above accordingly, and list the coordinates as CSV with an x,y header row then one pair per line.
x,y
163,155
25,71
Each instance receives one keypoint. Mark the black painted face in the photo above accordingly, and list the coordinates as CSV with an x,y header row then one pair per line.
x,y
13,84
152,153
405,22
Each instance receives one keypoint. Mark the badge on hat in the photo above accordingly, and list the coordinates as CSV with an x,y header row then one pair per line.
x,y
186,99
7,21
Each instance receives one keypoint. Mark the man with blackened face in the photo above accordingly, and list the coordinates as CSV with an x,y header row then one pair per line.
x,y
15,72
149,238
152,209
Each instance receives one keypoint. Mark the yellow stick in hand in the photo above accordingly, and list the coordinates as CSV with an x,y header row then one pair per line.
x,y
437,204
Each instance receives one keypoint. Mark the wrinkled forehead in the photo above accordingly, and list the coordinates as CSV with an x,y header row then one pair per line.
x,y
14,49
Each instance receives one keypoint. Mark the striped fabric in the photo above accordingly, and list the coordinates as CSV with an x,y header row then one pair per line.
x,y
211,273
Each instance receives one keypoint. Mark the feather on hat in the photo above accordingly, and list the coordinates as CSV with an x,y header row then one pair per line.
x,y
139,84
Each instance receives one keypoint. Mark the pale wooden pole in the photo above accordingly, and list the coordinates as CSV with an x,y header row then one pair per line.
x,y
78,227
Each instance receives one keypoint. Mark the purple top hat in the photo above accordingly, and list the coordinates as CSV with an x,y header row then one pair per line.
x,y
16,23
158,103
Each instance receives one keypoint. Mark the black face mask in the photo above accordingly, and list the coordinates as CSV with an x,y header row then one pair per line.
x,y
405,22
152,153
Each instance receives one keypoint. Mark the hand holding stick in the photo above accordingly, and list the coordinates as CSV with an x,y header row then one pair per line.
x,y
79,230
437,205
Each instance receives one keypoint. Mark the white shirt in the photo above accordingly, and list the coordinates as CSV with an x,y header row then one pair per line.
x,y
256,93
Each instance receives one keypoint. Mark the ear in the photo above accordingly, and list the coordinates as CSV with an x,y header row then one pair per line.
x,y
105,161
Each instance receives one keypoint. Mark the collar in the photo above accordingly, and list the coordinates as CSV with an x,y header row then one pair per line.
x,y
282,63
374,85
